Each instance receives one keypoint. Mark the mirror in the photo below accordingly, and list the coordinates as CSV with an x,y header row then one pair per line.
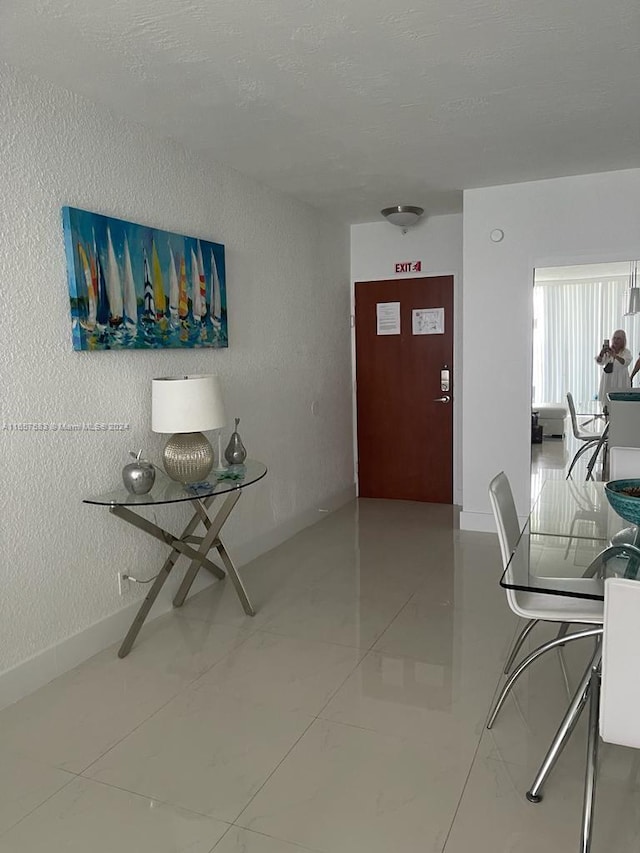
x,y
575,310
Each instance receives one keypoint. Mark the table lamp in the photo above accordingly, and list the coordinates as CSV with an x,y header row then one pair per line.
x,y
186,406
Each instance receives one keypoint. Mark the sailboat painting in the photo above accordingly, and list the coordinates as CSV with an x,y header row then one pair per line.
x,y
135,287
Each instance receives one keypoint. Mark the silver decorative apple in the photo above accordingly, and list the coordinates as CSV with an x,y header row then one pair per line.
x,y
139,476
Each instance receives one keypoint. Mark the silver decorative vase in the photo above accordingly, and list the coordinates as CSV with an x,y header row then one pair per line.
x,y
236,453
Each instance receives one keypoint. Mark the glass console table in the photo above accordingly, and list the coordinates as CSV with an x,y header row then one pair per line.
x,y
196,547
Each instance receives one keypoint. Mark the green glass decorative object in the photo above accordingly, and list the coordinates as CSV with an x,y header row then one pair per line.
x,y
236,453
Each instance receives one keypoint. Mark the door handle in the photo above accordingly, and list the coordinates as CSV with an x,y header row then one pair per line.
x,y
445,399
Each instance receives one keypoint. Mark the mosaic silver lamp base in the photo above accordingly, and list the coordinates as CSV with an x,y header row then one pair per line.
x,y
188,457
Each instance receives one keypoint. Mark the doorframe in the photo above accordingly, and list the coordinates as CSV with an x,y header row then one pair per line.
x,y
539,261
457,371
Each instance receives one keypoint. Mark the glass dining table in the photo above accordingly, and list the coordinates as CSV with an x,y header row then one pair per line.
x,y
589,408
565,549
568,530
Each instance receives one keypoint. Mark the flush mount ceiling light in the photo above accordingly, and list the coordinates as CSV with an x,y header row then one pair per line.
x,y
402,215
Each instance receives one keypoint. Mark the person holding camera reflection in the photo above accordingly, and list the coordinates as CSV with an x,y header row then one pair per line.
x,y
614,358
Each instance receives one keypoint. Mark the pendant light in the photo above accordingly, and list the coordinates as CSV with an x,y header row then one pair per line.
x,y
633,293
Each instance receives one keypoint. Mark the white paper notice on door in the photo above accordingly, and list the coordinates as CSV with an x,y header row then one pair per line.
x,y
388,318
427,321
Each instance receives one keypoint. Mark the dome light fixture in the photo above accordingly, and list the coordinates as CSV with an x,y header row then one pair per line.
x,y
403,215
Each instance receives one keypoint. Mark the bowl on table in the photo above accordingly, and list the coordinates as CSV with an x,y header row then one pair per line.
x,y
624,498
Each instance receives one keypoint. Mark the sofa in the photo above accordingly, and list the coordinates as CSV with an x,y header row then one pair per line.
x,y
552,419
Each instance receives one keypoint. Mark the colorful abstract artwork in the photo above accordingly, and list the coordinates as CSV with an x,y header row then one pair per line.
x,y
134,287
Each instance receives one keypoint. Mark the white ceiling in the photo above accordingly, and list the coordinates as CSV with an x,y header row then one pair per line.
x,y
354,105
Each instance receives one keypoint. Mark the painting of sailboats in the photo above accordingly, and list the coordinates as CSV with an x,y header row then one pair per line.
x,y
136,287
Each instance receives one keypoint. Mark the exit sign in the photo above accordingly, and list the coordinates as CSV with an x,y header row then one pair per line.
x,y
409,266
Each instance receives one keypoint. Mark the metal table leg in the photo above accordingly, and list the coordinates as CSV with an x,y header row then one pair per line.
x,y
141,615
236,580
210,540
592,762
180,545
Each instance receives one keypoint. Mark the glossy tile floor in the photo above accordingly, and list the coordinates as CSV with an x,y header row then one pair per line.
x,y
346,717
551,459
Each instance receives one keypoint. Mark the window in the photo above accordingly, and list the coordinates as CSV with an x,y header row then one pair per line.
x,y
572,316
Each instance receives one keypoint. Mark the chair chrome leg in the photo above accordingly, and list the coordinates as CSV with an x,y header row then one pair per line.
x,y
581,450
592,762
534,794
552,644
522,636
563,630
592,462
565,674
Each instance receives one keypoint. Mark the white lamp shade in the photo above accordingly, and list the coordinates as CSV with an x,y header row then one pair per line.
x,y
186,404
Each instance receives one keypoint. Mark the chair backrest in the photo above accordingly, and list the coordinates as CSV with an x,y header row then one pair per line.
x,y
574,417
620,692
624,462
504,511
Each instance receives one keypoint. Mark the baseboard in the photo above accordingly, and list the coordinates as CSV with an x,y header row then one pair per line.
x,y
25,677
43,667
482,522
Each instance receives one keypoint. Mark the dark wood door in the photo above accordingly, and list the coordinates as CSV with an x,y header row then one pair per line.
x,y
405,433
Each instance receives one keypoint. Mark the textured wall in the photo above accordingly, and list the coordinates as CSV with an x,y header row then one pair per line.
x,y
288,297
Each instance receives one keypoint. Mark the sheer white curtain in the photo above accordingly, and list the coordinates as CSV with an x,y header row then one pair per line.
x,y
571,319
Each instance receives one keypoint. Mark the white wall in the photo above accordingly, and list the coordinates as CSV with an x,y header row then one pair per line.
x,y
288,298
437,242
584,219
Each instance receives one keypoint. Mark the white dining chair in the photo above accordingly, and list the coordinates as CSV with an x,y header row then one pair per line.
x,y
534,607
589,439
624,463
614,687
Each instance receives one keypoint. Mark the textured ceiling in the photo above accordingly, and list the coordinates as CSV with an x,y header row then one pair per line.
x,y
353,105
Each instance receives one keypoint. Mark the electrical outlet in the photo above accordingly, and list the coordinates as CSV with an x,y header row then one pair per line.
x,y
123,584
